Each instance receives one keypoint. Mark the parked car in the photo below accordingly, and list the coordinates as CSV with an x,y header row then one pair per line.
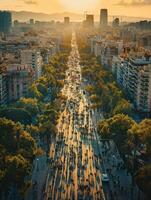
x,y
105,178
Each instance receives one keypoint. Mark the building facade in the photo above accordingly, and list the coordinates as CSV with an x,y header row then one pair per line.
x,y
5,22
19,79
134,75
3,89
33,59
103,18
89,22
66,20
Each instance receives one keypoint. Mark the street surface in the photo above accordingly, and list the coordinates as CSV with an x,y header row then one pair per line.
x,y
75,169
79,160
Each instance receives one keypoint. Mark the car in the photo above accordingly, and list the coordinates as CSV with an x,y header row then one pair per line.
x,y
105,178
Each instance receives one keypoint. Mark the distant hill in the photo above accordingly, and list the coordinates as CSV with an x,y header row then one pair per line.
x,y
25,16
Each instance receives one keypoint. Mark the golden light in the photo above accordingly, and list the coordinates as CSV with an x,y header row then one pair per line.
x,y
79,5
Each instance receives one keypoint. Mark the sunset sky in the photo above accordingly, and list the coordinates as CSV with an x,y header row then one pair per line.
x,y
141,8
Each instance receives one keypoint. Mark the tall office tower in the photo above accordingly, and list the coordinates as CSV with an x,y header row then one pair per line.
x,y
66,20
5,22
89,20
104,17
31,21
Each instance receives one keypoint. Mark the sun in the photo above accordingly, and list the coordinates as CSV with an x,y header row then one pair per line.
x,y
79,5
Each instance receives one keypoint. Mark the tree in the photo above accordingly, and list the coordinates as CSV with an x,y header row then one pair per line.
x,y
42,88
17,168
104,129
2,157
27,145
34,92
143,179
90,89
8,137
17,149
15,139
100,82
16,114
33,130
141,134
116,128
29,104
50,72
124,107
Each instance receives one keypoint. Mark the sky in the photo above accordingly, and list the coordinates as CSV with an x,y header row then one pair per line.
x,y
139,8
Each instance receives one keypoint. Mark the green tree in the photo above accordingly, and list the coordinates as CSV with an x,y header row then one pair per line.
x,y
17,169
143,179
16,114
15,139
123,107
34,92
29,104
141,134
116,128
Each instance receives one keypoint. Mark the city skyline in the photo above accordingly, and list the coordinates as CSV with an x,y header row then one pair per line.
x,y
75,100
115,7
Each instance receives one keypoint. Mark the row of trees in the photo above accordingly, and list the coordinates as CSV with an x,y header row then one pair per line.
x,y
23,123
133,139
17,149
104,93
134,145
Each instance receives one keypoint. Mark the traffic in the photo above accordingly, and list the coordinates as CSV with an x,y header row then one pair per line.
x,y
75,171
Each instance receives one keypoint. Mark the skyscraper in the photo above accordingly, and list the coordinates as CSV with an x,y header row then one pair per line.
x,y
5,22
31,21
66,20
89,22
104,17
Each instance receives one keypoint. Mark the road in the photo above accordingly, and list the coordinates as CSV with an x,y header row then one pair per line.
x,y
75,171
79,159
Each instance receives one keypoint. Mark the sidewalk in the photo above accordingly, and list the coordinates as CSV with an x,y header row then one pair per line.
x,y
40,169
120,185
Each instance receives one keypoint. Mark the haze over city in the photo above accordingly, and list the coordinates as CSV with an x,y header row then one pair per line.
x,y
137,8
75,100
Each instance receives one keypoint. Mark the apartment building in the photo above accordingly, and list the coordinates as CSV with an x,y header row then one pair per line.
x,y
48,53
3,89
93,40
134,75
106,50
19,79
33,59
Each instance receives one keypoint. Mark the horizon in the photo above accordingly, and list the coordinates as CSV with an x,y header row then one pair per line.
x,y
75,99
115,7
75,17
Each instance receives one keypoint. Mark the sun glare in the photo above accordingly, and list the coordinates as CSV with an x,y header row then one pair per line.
x,y
79,5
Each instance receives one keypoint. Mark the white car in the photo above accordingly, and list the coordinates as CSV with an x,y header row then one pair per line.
x,y
105,178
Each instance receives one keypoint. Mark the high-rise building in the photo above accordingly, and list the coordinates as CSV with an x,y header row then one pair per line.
x,y
19,79
104,17
31,21
116,23
134,75
5,22
89,22
3,89
66,20
33,59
